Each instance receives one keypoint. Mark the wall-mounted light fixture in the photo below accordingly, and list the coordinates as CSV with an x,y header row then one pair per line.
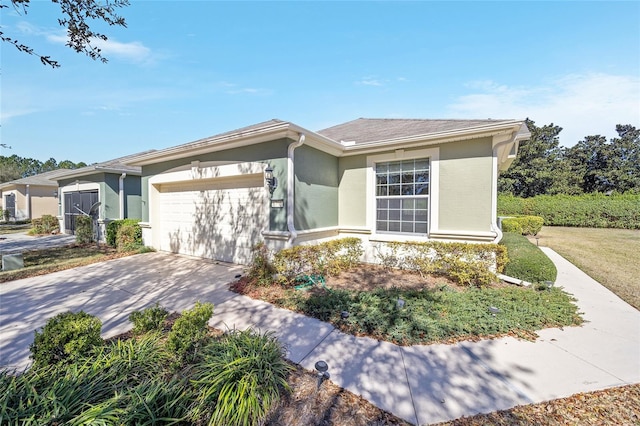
x,y
270,179
55,194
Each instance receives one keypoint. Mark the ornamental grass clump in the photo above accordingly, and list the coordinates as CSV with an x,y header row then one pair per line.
x,y
241,378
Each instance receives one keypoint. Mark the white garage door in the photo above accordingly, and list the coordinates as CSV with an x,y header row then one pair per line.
x,y
215,219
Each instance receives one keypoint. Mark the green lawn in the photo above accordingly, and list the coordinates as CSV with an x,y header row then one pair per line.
x,y
14,229
610,256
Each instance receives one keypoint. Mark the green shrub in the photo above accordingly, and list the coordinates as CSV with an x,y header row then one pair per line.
x,y
129,237
188,332
148,319
65,338
6,214
526,261
327,258
46,224
84,229
467,264
241,378
114,226
524,225
587,211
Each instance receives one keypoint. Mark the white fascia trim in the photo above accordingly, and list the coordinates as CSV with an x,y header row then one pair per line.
x,y
434,187
196,172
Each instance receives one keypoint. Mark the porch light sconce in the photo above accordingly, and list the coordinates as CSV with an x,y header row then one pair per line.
x,y
55,194
271,180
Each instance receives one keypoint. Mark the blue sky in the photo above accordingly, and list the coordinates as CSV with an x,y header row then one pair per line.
x,y
191,69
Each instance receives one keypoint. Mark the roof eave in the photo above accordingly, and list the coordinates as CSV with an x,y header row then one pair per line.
x,y
237,140
435,138
96,169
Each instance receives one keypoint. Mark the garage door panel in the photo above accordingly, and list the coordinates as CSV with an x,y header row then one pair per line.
x,y
213,223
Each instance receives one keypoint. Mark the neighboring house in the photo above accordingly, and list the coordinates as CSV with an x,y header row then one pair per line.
x,y
378,179
31,197
113,184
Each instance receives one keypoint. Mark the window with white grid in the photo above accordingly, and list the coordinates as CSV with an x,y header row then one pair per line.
x,y
402,196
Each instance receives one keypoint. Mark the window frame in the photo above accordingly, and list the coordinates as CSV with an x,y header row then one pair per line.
x,y
432,154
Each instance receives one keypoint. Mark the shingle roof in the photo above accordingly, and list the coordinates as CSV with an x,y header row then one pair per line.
x,y
115,165
365,130
231,132
42,179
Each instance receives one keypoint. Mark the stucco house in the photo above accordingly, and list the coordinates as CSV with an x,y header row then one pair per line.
x,y
378,179
113,184
31,197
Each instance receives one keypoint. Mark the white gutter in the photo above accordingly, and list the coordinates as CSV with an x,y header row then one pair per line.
x,y
28,194
494,189
121,194
291,189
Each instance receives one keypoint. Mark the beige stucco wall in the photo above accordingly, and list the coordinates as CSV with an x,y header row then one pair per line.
x,y
43,201
465,185
352,196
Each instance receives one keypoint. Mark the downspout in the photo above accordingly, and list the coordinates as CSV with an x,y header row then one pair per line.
x,y
291,190
28,194
121,194
494,190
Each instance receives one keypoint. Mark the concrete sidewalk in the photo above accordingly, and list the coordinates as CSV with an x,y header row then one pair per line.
x,y
422,384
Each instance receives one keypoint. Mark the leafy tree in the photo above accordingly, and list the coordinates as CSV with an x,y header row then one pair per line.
x,y
539,167
607,166
15,167
77,16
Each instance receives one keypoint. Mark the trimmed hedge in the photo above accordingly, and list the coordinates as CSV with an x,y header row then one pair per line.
x,y
327,258
465,263
526,261
114,226
524,225
587,211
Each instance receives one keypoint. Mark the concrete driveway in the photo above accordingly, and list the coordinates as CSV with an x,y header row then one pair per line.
x,y
422,384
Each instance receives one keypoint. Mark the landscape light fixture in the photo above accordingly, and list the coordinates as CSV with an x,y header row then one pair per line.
x,y
270,179
549,284
493,310
400,303
323,373
344,315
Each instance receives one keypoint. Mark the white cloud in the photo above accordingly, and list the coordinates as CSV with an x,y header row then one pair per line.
x,y
235,89
134,52
582,104
369,81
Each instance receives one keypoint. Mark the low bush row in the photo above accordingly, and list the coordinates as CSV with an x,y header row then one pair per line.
x,y
285,266
46,224
526,261
233,379
588,210
524,225
467,264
